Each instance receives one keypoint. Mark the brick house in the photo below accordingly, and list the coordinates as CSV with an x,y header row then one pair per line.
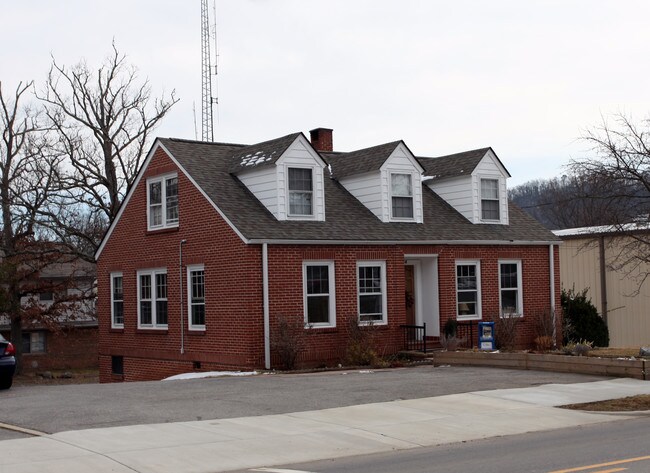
x,y
67,338
215,242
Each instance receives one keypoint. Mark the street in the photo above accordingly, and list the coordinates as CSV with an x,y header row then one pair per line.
x,y
609,447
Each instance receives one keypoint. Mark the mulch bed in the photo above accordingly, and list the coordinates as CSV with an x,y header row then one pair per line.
x,y
632,403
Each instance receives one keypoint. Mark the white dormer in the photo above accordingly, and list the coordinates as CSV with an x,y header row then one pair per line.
x,y
392,191
477,189
292,187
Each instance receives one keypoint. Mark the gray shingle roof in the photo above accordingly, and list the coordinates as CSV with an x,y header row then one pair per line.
x,y
347,219
453,165
260,154
361,161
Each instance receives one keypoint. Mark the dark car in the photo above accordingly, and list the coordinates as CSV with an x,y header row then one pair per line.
x,y
7,363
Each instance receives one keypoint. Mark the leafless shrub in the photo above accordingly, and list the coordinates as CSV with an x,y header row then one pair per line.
x,y
288,340
361,346
543,329
505,327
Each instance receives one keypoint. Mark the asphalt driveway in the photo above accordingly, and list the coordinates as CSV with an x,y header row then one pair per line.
x,y
53,409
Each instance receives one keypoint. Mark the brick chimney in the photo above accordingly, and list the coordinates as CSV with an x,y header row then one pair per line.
x,y
321,139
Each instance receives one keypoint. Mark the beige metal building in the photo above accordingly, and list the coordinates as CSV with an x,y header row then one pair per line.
x,y
618,295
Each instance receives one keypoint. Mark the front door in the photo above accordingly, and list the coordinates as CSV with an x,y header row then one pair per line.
x,y
409,283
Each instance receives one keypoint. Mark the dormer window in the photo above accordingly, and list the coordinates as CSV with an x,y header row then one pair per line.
x,y
162,202
490,199
300,192
401,190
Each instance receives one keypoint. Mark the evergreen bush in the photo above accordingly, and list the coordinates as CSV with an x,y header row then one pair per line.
x,y
581,320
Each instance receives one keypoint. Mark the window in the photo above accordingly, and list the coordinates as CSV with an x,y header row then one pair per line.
x,y
510,299
117,301
196,297
33,342
162,201
401,191
46,296
152,299
117,365
371,290
468,289
490,199
300,192
319,303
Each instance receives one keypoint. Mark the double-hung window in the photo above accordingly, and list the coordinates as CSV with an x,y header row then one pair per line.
x,y
34,342
510,293
162,202
468,289
490,199
117,301
371,290
196,296
301,192
319,300
401,191
152,298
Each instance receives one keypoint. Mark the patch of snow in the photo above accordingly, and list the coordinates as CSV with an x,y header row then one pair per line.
x,y
427,178
366,371
210,374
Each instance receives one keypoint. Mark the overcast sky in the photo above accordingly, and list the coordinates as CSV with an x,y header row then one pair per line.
x,y
526,78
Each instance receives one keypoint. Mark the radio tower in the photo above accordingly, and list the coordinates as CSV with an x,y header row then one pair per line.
x,y
207,100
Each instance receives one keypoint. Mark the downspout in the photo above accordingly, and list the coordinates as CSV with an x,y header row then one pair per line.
x,y
603,279
180,279
551,264
265,297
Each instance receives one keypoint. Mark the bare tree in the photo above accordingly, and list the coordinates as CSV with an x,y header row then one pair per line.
x,y
28,181
622,160
104,120
577,199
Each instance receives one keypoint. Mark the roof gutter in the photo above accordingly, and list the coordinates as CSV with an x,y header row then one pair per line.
x,y
261,241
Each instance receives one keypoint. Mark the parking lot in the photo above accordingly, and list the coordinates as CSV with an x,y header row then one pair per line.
x,y
52,409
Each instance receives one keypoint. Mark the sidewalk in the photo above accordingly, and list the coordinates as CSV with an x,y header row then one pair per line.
x,y
253,442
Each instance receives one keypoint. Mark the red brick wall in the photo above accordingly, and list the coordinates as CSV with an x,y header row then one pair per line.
x,y
233,275
234,324
71,348
535,280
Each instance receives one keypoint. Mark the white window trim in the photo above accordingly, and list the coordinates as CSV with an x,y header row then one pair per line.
x,y
499,199
190,269
520,292
291,216
113,323
384,298
390,196
163,189
154,317
33,336
331,289
479,313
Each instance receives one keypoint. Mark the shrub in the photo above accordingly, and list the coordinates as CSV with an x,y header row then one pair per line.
x,y
543,329
451,328
582,321
288,340
451,342
360,350
543,343
505,327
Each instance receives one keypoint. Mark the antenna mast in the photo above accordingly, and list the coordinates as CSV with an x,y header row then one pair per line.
x,y
207,100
